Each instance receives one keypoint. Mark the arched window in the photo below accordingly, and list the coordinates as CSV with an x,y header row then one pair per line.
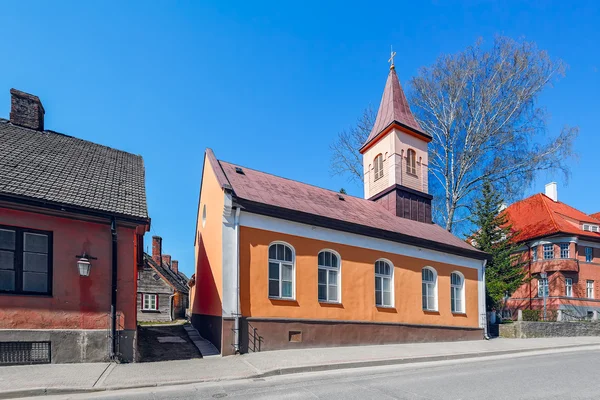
x,y
378,166
457,292
329,276
281,271
429,277
411,162
384,283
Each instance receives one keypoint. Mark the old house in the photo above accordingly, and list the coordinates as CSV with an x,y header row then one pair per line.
x,y
561,252
163,292
72,220
283,264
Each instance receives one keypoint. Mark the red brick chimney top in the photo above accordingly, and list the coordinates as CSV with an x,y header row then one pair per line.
x,y
156,249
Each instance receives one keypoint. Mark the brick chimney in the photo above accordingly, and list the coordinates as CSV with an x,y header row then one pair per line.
x,y
175,266
26,110
156,249
166,259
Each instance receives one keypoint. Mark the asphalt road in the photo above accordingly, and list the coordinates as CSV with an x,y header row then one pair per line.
x,y
554,375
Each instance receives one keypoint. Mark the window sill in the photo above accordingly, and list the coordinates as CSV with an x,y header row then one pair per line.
x,y
151,311
459,313
323,303
433,312
282,298
387,309
49,295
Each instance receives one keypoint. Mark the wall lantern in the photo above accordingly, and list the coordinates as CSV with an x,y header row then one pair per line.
x,y
84,265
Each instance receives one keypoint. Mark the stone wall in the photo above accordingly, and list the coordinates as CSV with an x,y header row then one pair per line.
x,y
531,329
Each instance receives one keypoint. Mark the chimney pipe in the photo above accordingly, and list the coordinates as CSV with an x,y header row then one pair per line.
x,y
552,191
157,249
26,110
166,259
175,266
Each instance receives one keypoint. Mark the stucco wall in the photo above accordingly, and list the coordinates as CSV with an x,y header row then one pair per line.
x,y
357,283
77,302
208,292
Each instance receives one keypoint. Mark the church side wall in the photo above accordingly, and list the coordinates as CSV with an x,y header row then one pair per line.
x,y
356,319
208,291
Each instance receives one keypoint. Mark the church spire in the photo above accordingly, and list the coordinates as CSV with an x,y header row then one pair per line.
x,y
394,110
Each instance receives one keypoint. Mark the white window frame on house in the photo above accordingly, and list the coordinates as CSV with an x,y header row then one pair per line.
x,y
147,301
589,254
548,251
564,250
543,283
534,253
457,292
589,285
429,289
569,287
384,276
378,167
281,260
329,264
591,228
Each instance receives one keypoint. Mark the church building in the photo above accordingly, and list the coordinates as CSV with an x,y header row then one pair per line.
x,y
283,264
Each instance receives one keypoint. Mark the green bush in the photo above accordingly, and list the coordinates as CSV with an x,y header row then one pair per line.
x,y
531,315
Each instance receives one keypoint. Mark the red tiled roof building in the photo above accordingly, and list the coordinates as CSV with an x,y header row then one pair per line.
x,y
563,243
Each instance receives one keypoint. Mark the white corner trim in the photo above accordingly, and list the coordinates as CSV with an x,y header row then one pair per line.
x,y
257,221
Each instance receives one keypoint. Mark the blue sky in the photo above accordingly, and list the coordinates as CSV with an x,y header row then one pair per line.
x,y
267,85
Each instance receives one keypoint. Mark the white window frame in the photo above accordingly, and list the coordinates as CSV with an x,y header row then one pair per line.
x,y
543,282
591,228
411,162
149,297
534,253
326,268
378,167
569,287
280,278
564,250
461,293
548,250
430,286
589,286
589,254
383,277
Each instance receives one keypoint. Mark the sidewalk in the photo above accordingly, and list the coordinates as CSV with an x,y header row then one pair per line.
x,y
21,381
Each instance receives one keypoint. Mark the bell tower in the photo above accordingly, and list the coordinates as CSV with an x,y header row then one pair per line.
x,y
395,156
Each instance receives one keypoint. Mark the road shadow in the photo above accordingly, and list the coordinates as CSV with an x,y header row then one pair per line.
x,y
151,349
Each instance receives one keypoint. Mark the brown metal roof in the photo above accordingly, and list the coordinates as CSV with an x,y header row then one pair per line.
x,y
394,108
290,199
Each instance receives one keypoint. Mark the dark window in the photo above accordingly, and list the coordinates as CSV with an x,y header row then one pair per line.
x,y
25,261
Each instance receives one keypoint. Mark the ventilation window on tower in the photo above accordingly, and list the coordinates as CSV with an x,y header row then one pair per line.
x,y
378,167
411,162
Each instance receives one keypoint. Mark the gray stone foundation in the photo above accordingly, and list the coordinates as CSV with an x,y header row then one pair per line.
x,y
532,329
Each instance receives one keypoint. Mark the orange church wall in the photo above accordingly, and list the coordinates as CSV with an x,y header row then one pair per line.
x,y
357,284
208,291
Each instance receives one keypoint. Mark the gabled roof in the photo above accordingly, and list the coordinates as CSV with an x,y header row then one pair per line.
x,y
63,170
539,216
394,108
177,281
595,215
267,194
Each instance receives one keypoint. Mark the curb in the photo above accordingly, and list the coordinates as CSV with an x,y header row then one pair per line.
x,y
9,394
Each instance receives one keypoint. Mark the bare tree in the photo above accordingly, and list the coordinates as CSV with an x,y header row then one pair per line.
x,y
481,108
345,158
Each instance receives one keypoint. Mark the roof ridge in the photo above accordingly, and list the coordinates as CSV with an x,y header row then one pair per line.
x,y
550,212
7,121
289,179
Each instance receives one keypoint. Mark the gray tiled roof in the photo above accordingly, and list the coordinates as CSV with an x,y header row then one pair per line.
x,y
58,168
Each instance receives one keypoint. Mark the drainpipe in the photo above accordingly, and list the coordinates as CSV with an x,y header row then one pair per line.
x,y
236,223
113,298
483,299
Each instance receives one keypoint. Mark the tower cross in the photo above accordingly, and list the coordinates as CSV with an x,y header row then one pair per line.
x,y
392,55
